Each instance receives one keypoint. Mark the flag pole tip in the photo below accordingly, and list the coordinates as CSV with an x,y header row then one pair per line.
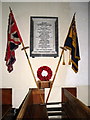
x,y
10,8
74,13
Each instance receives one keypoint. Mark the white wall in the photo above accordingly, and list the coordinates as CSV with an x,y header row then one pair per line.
x,y
21,78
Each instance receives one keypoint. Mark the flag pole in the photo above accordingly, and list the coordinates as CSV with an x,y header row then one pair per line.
x,y
29,64
55,75
63,48
31,70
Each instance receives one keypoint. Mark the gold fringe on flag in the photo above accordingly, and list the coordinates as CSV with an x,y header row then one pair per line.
x,y
69,63
63,58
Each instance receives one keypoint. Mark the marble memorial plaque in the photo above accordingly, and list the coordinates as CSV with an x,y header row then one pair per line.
x,y
44,36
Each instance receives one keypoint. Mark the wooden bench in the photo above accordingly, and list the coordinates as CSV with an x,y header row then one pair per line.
x,y
6,100
74,108
31,108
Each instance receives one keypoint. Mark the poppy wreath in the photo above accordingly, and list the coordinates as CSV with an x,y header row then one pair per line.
x,y
44,78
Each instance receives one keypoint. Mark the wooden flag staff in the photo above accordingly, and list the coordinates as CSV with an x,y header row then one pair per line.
x,y
28,60
55,73
24,48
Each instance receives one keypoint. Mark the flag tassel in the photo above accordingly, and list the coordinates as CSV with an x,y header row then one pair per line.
x,y
63,58
69,63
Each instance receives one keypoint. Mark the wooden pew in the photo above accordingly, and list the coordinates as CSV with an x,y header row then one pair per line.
x,y
74,108
22,109
31,108
6,100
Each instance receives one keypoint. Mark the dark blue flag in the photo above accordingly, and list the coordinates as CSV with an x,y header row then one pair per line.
x,y
71,43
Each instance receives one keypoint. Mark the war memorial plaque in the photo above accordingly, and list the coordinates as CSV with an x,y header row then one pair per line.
x,y
44,37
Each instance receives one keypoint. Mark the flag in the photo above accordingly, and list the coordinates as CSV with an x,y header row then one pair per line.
x,y
13,41
71,43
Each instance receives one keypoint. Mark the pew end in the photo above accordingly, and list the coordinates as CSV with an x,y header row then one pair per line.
x,y
74,108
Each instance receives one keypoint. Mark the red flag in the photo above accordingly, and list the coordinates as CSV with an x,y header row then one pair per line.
x,y
13,41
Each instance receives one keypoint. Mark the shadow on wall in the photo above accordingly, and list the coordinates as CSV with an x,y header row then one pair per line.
x,y
82,94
